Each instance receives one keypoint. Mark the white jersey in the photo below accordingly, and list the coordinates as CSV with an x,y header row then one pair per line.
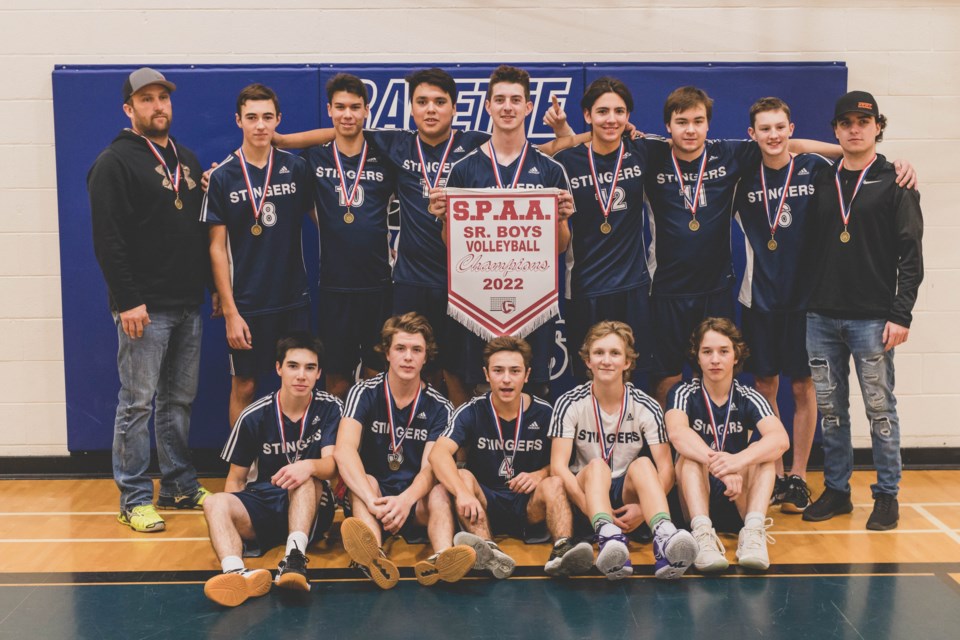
x,y
575,416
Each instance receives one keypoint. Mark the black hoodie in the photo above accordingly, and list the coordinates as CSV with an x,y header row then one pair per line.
x,y
150,252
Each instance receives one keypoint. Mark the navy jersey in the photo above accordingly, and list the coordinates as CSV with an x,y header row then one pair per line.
x,y
681,261
749,408
539,171
256,435
575,417
601,263
268,270
353,256
772,279
421,253
474,430
367,404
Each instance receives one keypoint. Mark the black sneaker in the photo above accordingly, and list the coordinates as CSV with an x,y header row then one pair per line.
x,y
779,489
886,513
797,497
830,503
292,572
642,534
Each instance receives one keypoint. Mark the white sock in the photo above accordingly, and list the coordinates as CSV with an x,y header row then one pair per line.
x,y
298,540
608,529
701,521
231,563
754,520
664,528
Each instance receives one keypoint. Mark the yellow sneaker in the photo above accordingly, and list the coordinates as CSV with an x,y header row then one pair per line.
x,y
143,518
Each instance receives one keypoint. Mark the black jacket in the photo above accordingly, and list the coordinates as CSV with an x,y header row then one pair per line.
x,y
150,252
877,273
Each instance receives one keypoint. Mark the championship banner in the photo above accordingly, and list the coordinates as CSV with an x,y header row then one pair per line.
x,y
502,259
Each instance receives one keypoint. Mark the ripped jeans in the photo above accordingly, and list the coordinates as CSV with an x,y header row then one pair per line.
x,y
830,343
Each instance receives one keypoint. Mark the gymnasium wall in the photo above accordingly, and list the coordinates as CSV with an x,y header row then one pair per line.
x,y
905,53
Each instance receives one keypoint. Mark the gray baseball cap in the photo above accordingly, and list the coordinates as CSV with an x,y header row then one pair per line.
x,y
141,78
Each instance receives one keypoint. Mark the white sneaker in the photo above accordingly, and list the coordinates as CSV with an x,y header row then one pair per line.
x,y
711,555
489,555
752,546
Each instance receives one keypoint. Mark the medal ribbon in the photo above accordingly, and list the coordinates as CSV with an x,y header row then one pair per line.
x,y
516,435
432,184
348,197
496,166
303,427
690,205
605,452
845,210
605,206
173,177
775,221
396,445
719,439
257,208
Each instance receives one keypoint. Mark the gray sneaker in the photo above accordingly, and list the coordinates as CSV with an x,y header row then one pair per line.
x,y
489,555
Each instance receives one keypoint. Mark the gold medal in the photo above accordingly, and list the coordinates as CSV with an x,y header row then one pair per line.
x,y
772,244
845,236
178,203
694,225
348,217
256,229
394,460
605,228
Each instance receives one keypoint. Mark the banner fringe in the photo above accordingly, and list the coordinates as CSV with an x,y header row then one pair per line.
x,y
529,327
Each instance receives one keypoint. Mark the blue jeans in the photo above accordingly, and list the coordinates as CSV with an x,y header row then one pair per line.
x,y
164,363
830,343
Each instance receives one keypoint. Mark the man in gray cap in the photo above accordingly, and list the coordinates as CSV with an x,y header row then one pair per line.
x,y
152,248
866,264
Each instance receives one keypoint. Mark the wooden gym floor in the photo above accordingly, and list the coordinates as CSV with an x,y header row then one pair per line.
x,y
69,570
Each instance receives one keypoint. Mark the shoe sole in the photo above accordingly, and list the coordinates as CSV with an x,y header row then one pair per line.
x,y
173,507
452,564
159,526
488,559
789,507
576,561
872,526
845,509
293,581
721,564
227,589
682,549
361,545
612,559
754,564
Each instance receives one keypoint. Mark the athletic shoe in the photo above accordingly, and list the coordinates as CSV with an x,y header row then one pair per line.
x,y
710,554
449,565
569,559
234,587
779,489
752,546
489,555
292,572
192,501
613,559
361,545
830,503
797,497
673,554
142,518
886,513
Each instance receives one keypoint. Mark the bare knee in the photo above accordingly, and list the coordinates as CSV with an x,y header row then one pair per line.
x,y
243,387
597,468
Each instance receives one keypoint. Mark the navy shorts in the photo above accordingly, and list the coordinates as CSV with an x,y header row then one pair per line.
x,y
412,531
507,511
267,506
350,323
265,331
631,306
431,304
723,513
675,318
467,360
777,341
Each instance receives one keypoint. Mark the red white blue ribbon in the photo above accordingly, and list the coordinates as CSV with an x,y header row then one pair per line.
x,y
604,450
348,197
496,166
432,184
691,205
605,205
719,435
516,435
774,221
303,427
397,444
257,207
846,210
